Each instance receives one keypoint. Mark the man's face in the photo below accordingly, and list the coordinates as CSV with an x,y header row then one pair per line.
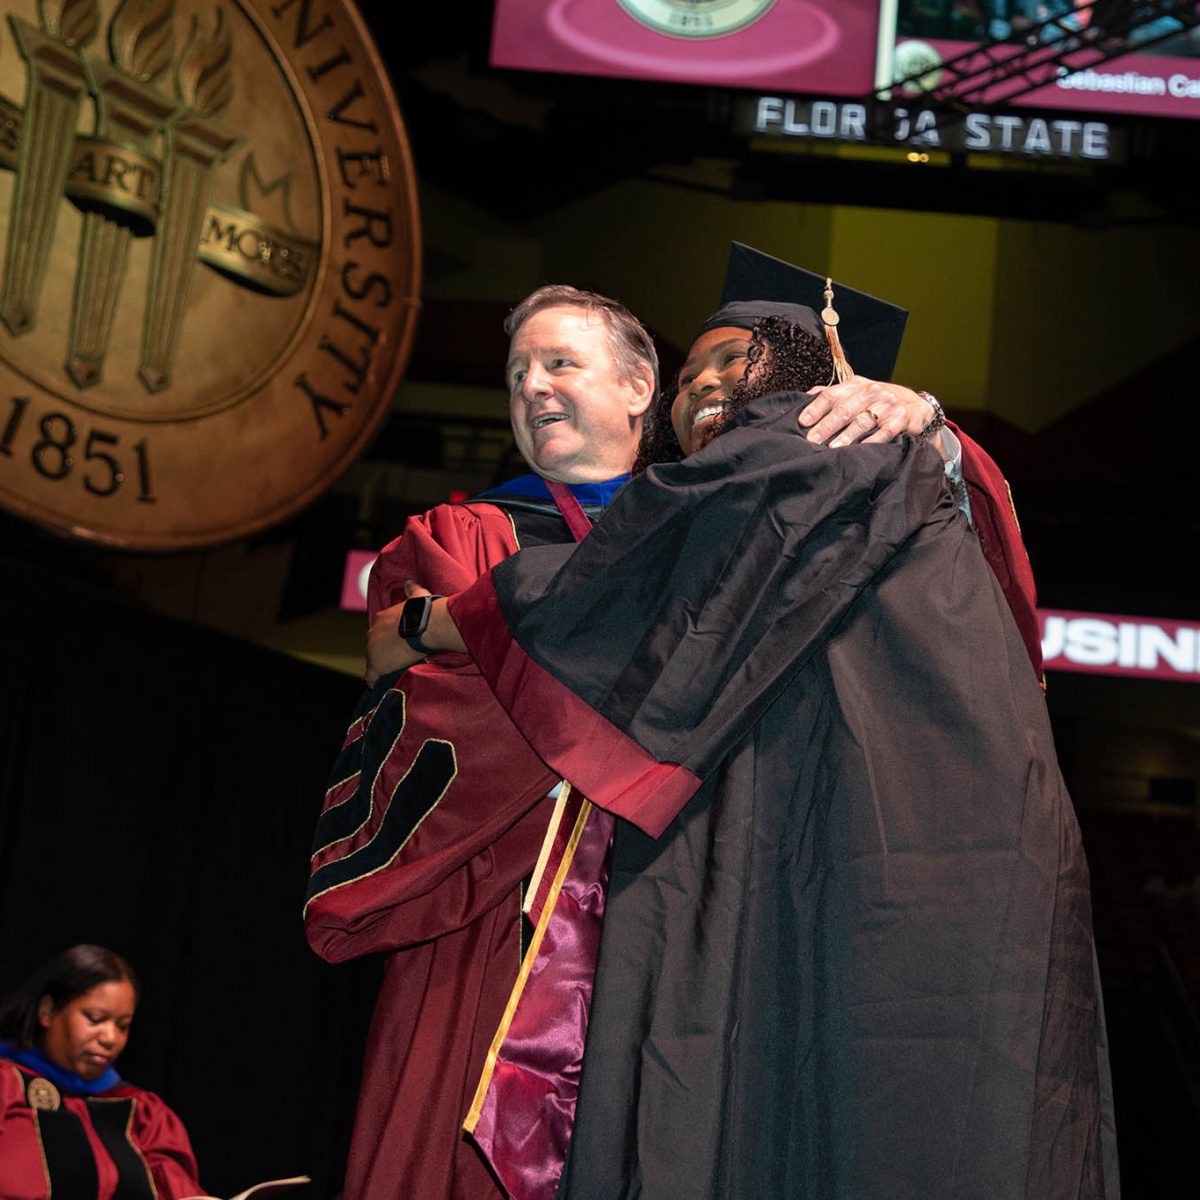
x,y
574,417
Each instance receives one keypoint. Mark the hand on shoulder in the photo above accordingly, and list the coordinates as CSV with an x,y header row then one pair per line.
x,y
865,410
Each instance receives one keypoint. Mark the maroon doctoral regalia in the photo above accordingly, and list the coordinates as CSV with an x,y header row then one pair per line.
x,y
994,519
434,819
847,947
123,1143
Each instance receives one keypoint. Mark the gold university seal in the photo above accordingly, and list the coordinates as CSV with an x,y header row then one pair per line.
x,y
210,262
42,1094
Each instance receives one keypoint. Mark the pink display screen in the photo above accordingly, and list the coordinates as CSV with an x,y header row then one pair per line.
x,y
1159,76
834,47
1104,644
816,46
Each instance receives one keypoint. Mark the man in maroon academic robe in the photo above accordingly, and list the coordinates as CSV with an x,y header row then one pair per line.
x,y
438,808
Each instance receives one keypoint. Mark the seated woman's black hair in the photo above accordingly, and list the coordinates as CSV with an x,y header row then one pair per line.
x,y
66,977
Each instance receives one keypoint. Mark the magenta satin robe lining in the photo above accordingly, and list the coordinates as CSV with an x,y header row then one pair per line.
x,y
525,1121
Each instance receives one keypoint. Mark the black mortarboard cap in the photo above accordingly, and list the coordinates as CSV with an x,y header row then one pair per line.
x,y
870,329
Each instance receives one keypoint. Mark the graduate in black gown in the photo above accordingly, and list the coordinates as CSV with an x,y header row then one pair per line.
x,y
847,948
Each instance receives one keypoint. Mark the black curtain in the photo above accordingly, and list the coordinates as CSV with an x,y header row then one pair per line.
x,y
158,788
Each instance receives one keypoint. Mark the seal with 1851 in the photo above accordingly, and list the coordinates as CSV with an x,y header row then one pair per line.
x,y
696,18
210,262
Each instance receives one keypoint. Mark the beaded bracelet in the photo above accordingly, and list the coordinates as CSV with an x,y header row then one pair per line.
x,y
936,421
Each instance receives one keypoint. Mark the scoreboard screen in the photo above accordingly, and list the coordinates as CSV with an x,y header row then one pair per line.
x,y
842,48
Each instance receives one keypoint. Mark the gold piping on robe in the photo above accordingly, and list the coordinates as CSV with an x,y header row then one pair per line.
x,y
489,1065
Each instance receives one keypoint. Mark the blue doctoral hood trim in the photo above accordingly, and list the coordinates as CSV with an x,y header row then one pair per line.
x,y
66,1081
594,495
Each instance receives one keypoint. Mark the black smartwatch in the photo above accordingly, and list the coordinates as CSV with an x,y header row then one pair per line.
x,y
414,620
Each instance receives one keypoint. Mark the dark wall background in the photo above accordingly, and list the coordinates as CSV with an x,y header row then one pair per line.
x,y
158,788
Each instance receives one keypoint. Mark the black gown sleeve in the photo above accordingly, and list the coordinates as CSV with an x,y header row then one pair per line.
x,y
635,662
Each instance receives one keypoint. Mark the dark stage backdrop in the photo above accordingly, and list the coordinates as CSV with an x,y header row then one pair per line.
x,y
158,788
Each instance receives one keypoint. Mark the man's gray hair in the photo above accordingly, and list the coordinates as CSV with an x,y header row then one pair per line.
x,y
631,346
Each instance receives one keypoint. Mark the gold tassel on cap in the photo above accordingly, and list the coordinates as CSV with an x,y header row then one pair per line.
x,y
842,370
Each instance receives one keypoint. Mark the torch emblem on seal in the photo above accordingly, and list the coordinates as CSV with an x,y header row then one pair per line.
x,y
146,170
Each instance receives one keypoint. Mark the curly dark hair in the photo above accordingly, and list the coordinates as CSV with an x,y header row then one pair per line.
x,y
66,977
782,357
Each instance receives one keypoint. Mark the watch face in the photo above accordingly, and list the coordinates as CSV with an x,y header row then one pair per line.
x,y
415,616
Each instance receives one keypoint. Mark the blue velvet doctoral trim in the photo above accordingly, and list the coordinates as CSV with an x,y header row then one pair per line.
x,y
67,1081
597,495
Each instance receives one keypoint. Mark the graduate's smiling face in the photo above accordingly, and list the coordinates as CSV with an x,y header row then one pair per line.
x,y
576,414
715,365
85,1035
